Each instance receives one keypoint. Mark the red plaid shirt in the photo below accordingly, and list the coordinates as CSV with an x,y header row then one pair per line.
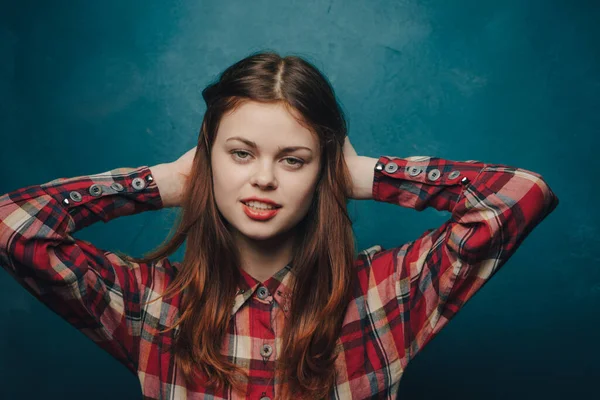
x,y
406,294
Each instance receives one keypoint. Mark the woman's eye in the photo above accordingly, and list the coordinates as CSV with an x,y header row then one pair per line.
x,y
238,152
294,161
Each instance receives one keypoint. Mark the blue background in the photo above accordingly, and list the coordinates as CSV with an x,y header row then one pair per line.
x,y
86,87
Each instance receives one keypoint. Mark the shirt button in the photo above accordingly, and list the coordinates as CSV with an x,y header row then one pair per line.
x,y
266,350
138,183
454,174
75,196
391,167
414,171
434,174
262,293
116,186
265,398
95,190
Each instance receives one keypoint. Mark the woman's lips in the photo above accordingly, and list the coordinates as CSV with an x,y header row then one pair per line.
x,y
259,215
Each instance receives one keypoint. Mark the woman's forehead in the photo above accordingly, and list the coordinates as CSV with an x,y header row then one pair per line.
x,y
265,125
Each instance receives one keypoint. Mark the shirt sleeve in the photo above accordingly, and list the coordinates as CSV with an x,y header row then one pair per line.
x,y
92,289
493,209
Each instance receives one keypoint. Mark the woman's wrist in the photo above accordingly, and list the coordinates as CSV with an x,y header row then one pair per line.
x,y
169,182
362,170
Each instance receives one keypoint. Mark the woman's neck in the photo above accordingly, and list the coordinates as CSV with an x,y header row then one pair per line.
x,y
263,258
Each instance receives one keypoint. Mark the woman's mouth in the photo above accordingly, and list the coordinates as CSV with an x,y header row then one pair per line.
x,y
258,214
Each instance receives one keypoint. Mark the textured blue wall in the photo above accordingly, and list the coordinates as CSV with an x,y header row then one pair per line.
x,y
90,86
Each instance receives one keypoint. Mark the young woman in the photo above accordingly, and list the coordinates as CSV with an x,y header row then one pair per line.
x,y
271,300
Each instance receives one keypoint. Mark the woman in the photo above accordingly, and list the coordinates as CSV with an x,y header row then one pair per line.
x,y
271,299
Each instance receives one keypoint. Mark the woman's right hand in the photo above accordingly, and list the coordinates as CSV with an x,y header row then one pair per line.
x,y
171,177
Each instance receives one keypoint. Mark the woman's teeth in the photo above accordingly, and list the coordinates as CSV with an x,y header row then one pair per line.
x,y
260,206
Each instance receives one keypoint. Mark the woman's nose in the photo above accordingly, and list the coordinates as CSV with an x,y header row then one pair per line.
x,y
264,177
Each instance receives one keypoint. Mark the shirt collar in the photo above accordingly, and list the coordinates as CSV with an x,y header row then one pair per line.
x,y
277,285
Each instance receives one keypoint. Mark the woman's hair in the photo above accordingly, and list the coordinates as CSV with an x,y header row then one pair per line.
x,y
322,280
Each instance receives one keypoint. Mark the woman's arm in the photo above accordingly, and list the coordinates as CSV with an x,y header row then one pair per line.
x,y
493,209
171,177
362,170
92,289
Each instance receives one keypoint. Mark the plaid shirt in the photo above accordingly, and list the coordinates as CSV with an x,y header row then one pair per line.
x,y
406,295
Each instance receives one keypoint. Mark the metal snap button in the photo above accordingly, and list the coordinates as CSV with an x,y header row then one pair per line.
x,y
266,351
391,167
379,166
434,174
414,171
138,184
95,190
262,293
453,174
116,186
75,196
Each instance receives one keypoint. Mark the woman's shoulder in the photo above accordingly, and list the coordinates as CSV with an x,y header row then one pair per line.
x,y
156,276
370,251
370,256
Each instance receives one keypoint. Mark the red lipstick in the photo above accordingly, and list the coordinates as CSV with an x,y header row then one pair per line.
x,y
266,201
259,215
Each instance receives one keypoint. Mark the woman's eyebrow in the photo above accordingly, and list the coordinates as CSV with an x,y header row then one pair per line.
x,y
254,146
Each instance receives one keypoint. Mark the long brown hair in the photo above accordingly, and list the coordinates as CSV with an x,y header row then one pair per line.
x,y
324,252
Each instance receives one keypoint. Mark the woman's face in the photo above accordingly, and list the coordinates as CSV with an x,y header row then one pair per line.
x,y
240,170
